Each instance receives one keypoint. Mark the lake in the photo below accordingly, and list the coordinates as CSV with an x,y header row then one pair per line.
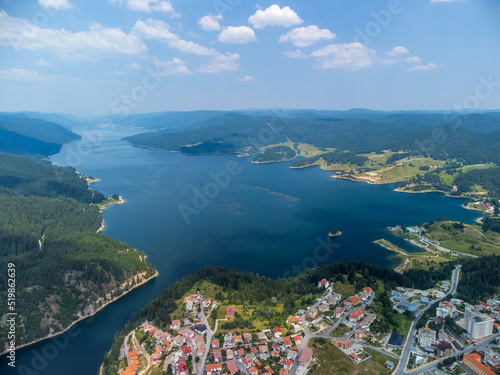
x,y
186,212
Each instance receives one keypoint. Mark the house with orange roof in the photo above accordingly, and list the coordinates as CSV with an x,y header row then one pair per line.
x,y
355,300
284,371
288,364
356,315
269,370
200,351
257,362
218,355
253,371
215,344
298,340
287,342
213,368
176,324
238,339
473,361
275,353
246,363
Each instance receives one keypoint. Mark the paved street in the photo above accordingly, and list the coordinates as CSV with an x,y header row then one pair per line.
x,y
401,368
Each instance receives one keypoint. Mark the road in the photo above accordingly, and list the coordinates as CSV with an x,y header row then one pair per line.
x,y
429,242
481,345
401,368
144,353
210,334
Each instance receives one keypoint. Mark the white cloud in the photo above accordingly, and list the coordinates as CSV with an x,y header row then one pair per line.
x,y
247,79
42,62
274,16
218,62
296,54
429,66
154,29
191,47
413,59
221,63
351,56
134,65
116,73
210,22
172,67
15,74
163,6
237,35
305,36
55,4
98,41
398,50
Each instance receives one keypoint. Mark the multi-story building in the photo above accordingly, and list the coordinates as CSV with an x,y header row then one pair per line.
x,y
426,337
478,325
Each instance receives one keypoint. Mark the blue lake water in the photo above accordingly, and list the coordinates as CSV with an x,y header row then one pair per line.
x,y
235,224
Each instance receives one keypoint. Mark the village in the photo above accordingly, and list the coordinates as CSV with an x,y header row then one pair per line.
x,y
451,336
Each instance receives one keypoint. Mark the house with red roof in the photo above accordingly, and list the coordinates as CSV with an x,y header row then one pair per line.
x,y
247,337
231,366
323,284
176,324
288,364
298,340
277,332
230,311
338,313
344,343
305,357
186,350
218,355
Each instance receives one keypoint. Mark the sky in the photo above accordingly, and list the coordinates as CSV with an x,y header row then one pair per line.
x,y
100,57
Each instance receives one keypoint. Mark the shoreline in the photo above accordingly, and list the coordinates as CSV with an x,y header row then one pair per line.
x,y
103,207
405,260
51,335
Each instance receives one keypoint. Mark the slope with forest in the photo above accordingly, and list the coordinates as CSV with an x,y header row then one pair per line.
x,y
48,224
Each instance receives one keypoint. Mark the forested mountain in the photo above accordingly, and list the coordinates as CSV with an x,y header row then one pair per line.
x,y
470,138
22,135
48,230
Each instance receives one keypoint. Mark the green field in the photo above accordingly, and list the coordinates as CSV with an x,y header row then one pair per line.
x,y
471,239
332,361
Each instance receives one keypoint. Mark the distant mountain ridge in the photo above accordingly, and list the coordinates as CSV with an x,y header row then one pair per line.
x,y
22,135
472,138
